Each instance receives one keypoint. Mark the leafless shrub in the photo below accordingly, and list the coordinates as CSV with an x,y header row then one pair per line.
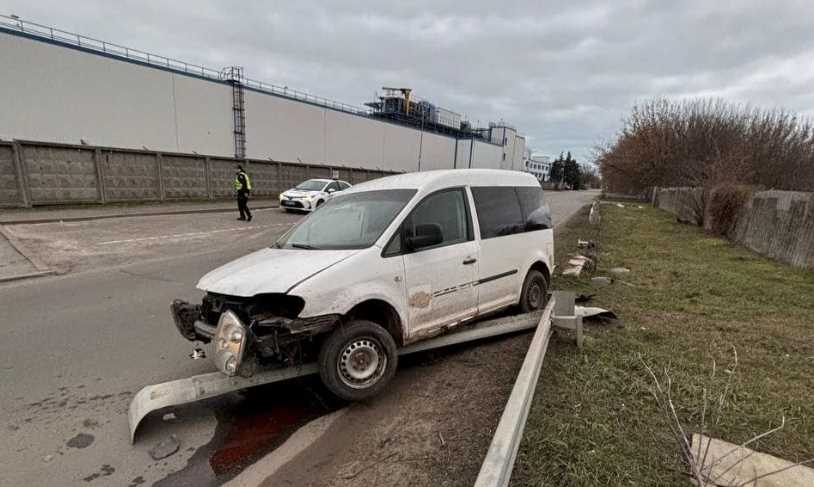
x,y
713,406
706,143
723,207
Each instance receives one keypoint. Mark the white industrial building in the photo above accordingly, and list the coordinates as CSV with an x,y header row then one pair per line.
x,y
63,87
540,166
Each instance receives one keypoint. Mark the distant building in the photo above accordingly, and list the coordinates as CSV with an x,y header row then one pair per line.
x,y
539,166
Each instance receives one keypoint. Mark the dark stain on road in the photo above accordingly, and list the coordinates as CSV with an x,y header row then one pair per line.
x,y
250,425
105,471
82,440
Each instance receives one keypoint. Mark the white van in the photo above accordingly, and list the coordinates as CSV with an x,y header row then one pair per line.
x,y
381,265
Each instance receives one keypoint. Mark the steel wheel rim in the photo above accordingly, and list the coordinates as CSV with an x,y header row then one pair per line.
x,y
361,363
535,293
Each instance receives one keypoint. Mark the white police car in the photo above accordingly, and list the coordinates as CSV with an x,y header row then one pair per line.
x,y
311,194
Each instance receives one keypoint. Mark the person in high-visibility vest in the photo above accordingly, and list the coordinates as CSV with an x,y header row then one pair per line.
x,y
243,186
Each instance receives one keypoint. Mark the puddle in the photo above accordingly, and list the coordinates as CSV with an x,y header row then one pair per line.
x,y
250,425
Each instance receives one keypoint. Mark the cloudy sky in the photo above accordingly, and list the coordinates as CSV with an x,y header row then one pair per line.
x,y
563,72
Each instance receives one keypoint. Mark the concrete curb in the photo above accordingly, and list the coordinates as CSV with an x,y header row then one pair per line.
x,y
23,250
496,470
42,269
30,275
26,221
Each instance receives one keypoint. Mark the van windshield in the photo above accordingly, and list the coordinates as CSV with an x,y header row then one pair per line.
x,y
353,221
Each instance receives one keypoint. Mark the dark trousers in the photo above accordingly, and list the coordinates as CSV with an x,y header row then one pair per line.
x,y
243,204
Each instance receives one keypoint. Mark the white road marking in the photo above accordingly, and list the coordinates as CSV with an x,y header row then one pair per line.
x,y
192,234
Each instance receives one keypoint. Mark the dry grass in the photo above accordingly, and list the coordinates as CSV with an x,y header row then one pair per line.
x,y
688,301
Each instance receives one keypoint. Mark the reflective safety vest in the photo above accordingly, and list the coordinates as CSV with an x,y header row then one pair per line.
x,y
239,184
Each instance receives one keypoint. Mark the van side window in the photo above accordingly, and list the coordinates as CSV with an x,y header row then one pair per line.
x,y
498,210
445,211
535,213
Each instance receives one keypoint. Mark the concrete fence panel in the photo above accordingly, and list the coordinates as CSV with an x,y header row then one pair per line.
x,y
39,173
184,177
9,178
130,176
264,178
777,224
222,176
61,174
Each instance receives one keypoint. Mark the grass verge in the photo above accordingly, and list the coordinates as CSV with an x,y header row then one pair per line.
x,y
688,300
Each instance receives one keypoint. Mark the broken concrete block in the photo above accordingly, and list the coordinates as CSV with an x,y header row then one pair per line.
x,y
619,270
730,464
165,448
585,244
572,271
601,280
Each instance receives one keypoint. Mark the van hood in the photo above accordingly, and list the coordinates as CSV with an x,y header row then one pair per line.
x,y
269,270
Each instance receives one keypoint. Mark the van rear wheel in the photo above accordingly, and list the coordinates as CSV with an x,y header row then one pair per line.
x,y
535,292
357,360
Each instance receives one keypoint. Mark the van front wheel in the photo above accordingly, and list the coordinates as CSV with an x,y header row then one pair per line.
x,y
535,292
358,360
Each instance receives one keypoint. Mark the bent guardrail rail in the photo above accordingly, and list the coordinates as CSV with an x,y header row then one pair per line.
x,y
204,386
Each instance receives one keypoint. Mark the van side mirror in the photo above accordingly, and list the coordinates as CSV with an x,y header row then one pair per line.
x,y
426,235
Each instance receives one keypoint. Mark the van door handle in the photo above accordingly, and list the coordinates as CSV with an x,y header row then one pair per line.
x,y
470,260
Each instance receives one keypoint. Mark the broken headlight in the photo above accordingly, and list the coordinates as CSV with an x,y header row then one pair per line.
x,y
229,343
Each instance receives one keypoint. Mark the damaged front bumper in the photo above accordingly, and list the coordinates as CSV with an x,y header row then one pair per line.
x,y
237,343
229,338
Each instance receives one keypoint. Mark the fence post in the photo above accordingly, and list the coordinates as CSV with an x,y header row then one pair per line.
x,y
159,163
208,177
22,174
308,171
279,182
100,175
350,175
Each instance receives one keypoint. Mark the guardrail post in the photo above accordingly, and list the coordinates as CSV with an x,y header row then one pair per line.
x,y
100,175
22,174
208,177
159,163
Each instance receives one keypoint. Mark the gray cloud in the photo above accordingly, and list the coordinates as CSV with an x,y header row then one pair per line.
x,y
565,73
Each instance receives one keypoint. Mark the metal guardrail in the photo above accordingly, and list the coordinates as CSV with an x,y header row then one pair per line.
x,y
496,470
41,31
204,386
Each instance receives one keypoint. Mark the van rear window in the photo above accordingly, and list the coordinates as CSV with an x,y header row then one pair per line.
x,y
498,211
506,210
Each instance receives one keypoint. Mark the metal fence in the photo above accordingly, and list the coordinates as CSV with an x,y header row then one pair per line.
x,y
42,173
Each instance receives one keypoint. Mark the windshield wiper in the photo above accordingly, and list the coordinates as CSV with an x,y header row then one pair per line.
x,y
303,246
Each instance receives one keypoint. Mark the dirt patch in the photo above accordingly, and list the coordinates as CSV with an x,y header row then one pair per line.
x,y
431,427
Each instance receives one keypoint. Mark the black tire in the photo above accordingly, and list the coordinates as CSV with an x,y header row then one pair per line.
x,y
319,203
535,292
359,345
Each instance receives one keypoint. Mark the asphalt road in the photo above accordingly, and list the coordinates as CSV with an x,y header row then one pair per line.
x,y
75,348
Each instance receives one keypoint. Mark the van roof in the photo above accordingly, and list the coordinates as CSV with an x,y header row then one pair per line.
x,y
427,181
